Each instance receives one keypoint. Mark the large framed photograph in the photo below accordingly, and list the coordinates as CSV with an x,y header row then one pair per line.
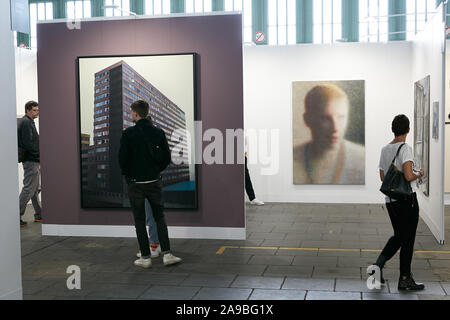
x,y
328,132
107,86
422,131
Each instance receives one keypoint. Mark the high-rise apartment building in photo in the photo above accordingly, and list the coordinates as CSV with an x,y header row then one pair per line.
x,y
116,88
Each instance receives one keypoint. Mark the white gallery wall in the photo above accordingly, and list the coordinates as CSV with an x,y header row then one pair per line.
x,y
447,127
429,60
10,257
268,75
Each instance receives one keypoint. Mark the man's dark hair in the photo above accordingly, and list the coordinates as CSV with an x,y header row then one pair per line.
x,y
30,105
400,125
140,107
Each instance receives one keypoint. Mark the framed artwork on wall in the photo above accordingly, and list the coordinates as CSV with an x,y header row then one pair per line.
x,y
422,131
328,132
107,86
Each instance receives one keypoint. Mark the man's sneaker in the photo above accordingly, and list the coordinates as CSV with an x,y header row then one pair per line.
x,y
169,259
144,263
257,202
23,223
409,284
155,251
38,219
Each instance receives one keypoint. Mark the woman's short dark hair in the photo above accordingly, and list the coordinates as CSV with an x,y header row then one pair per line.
x,y
400,125
140,107
30,105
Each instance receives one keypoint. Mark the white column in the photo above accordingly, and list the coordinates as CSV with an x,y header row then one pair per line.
x,y
10,257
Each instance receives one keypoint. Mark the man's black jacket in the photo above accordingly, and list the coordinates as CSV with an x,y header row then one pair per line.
x,y
28,139
134,155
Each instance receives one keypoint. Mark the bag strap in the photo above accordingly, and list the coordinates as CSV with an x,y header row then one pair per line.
x,y
398,151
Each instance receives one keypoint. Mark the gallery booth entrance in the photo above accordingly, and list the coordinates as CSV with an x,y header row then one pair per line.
x,y
198,76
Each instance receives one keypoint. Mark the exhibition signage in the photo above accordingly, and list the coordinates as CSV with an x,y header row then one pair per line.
x,y
260,37
20,16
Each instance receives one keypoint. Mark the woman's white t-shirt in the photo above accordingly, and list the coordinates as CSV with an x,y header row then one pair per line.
x,y
406,154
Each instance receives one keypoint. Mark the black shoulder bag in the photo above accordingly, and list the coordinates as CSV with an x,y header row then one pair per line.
x,y
395,184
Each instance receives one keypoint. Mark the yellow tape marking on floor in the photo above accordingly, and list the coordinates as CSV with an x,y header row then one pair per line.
x,y
425,251
223,248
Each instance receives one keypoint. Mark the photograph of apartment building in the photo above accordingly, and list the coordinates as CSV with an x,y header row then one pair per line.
x,y
115,89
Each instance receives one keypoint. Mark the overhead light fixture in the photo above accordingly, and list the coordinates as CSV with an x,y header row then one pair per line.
x,y
116,7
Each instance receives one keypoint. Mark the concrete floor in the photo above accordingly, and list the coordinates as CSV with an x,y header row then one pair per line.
x,y
292,252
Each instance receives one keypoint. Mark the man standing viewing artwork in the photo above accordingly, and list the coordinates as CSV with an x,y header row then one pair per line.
x,y
144,152
28,144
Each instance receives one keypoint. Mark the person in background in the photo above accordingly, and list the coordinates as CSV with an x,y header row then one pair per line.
x,y
155,247
28,142
141,167
248,182
404,214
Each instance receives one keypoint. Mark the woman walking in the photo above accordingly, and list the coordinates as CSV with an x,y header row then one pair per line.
x,y
404,214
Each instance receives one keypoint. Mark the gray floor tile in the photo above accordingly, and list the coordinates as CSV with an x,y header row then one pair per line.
x,y
297,252
324,295
145,278
118,291
294,271
309,284
267,235
439,263
228,259
281,243
363,262
264,294
358,286
257,282
271,260
223,294
319,244
315,261
33,287
386,296
208,280
169,293
337,273
338,253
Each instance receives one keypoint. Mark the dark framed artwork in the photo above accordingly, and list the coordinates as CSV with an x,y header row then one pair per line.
x,y
107,86
422,131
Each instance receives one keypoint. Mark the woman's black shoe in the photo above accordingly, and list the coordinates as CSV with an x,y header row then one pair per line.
x,y
409,284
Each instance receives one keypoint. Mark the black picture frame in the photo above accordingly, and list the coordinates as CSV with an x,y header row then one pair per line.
x,y
193,204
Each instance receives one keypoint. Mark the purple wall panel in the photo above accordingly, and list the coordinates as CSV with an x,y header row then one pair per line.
x,y
218,42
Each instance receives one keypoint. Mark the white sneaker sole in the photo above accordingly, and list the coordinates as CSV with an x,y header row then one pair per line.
x,y
171,262
146,266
